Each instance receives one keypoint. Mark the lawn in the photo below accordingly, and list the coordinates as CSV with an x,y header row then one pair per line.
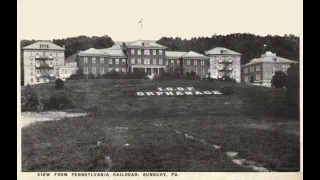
x,y
119,134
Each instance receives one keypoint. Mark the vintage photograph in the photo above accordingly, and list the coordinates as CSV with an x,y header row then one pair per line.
x,y
160,86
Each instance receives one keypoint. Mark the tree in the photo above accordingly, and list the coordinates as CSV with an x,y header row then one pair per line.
x,y
279,79
293,85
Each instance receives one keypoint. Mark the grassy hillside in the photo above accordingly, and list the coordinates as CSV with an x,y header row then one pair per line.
x,y
250,122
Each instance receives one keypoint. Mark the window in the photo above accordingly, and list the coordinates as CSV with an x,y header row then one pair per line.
x,y
50,54
257,67
172,62
31,71
56,54
110,61
202,62
38,72
178,62
195,62
257,76
146,52
246,78
31,62
30,53
31,58
117,61
50,62
154,61
160,52
132,51
188,62
93,70
139,51
160,61
123,69
273,70
133,61
195,70
101,70
154,52
31,79
110,70
188,70
172,69
123,61
117,69
37,53
202,71
167,62
146,61
93,60
56,62
102,60
85,69
139,61
245,70
85,60
251,69
50,72
43,53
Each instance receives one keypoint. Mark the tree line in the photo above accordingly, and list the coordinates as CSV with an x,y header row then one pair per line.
x,y
249,45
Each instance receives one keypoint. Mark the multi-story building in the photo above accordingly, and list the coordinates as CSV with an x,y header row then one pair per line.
x,y
101,61
152,58
259,71
145,55
41,62
187,62
224,63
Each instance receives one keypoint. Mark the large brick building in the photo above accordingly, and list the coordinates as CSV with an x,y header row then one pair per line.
x,y
224,63
41,62
146,56
259,71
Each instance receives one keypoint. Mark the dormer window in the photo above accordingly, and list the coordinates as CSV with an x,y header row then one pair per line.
x,y
44,46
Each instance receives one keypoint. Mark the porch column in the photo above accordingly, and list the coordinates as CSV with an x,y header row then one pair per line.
x,y
158,70
145,69
151,70
131,69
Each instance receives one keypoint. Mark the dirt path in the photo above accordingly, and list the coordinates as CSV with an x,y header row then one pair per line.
x,y
32,117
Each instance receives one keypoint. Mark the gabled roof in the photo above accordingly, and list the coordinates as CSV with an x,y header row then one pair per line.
x,y
192,54
93,52
221,50
174,54
145,44
271,58
71,59
36,46
114,52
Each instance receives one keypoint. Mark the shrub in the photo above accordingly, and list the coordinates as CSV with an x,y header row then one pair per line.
x,y
136,75
113,75
29,101
59,84
279,79
91,76
227,90
58,101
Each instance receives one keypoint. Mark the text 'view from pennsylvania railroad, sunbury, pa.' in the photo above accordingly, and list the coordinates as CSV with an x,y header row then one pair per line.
x,y
221,103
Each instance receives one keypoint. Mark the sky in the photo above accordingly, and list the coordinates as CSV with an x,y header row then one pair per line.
x,y
56,19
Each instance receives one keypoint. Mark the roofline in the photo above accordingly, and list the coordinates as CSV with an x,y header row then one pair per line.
x,y
268,62
25,48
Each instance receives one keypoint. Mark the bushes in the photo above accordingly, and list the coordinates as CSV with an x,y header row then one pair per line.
x,y
279,79
58,101
59,84
227,90
29,101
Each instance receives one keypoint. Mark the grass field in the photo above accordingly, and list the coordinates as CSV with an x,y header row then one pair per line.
x,y
122,131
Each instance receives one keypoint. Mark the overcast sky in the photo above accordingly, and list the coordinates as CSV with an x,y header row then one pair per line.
x,y
55,19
